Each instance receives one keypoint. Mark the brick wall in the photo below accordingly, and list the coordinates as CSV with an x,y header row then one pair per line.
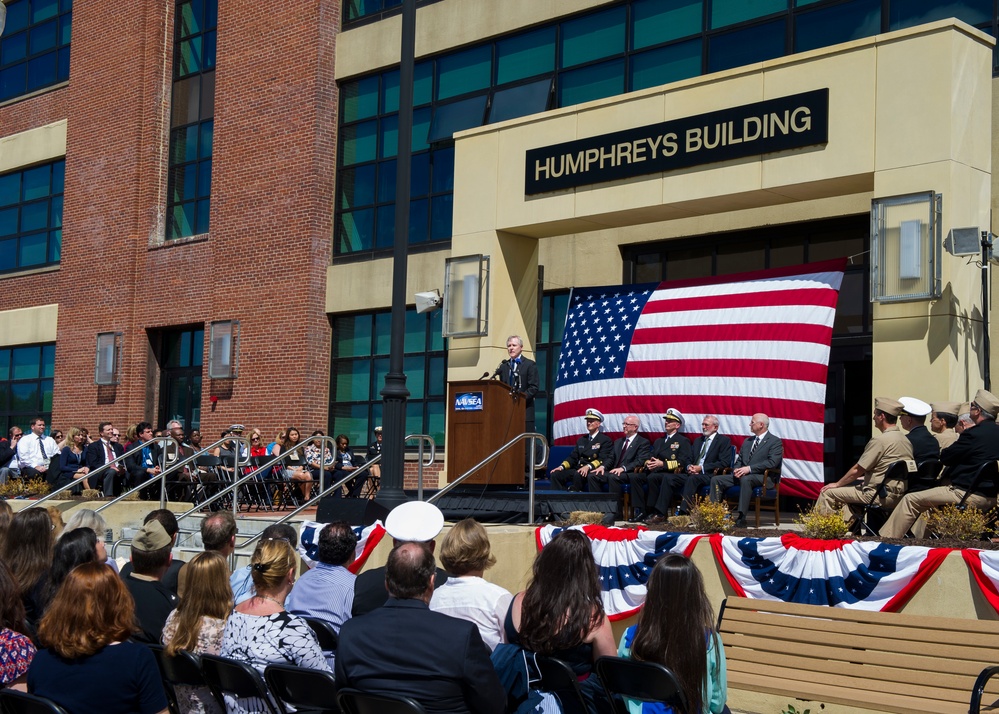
x,y
264,261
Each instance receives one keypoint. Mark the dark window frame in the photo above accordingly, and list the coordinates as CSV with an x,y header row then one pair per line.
x,y
53,223
63,25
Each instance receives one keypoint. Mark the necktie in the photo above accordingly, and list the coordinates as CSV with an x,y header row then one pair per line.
x,y
110,452
514,368
752,450
704,449
624,450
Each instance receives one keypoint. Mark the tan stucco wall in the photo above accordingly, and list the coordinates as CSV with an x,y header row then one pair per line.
x,y
33,146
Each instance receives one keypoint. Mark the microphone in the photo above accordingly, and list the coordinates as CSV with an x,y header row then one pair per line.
x,y
484,375
497,371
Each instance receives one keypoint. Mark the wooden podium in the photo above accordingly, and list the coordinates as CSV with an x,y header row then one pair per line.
x,y
482,416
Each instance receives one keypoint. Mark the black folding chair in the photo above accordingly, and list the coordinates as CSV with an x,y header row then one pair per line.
x,y
14,702
183,668
927,476
302,688
354,701
324,632
558,678
646,681
874,514
237,679
989,471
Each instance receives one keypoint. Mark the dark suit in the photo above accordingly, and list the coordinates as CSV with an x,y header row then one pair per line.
x,y
588,452
136,464
404,647
768,454
662,482
924,444
370,593
526,379
717,457
113,479
637,454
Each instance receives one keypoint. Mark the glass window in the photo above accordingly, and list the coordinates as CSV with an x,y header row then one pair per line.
x,y
593,37
648,268
33,200
26,384
527,55
665,65
589,83
360,142
360,363
907,13
753,44
30,54
729,12
464,72
690,263
840,23
192,119
520,101
456,116
360,98
741,257
656,21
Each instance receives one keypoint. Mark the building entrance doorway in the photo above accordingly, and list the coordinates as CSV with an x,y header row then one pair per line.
x,y
181,356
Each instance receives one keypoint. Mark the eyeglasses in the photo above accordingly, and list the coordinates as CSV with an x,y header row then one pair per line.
x,y
255,438
115,435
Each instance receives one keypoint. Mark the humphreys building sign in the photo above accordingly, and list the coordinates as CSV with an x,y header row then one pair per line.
x,y
750,130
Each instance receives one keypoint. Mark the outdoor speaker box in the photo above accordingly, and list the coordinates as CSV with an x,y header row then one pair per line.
x,y
355,511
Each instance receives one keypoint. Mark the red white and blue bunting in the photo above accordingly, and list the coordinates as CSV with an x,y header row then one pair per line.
x,y
625,557
367,538
984,567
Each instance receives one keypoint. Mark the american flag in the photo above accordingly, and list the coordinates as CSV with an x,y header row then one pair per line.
x,y
730,346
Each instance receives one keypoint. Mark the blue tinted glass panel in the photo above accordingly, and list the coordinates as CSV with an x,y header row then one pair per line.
x,y
656,21
189,57
390,91
46,387
182,221
24,397
386,181
13,48
456,116
353,381
62,65
204,179
359,143
753,44
592,37
42,71
589,83
17,16
416,333
907,13
48,360
209,50
441,210
65,28
418,219
360,99
8,254
55,246
383,333
520,101
415,377
437,374
666,64
443,170
4,365
385,226
356,230
388,136
25,361
12,82
10,188
206,133
55,212
58,176
8,221
43,37
357,186
33,250
421,129
43,9
34,216
464,72
435,421
419,175
184,145
840,23
203,211
728,12
525,55
352,336
423,83
36,182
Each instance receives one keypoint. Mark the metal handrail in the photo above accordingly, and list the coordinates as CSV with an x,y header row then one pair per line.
x,y
533,437
234,486
96,471
161,476
421,438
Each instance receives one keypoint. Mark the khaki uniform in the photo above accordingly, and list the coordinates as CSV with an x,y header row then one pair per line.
x,y
881,451
947,437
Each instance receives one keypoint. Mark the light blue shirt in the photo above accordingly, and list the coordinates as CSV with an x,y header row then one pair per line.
x,y
242,584
326,593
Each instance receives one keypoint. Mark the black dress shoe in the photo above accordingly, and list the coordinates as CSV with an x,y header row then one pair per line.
x,y
740,521
655,519
639,516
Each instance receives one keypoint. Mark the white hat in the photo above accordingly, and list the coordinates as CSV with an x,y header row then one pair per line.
x,y
416,521
594,414
673,415
915,407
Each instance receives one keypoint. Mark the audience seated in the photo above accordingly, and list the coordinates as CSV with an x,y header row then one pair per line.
x,y
74,548
89,518
87,664
27,551
151,555
316,455
326,592
73,460
561,614
16,649
295,466
260,631
167,519
465,556
676,629
346,462
197,623
241,580
218,534
404,647
412,522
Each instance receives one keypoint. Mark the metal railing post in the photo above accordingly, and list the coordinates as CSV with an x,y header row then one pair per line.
x,y
419,468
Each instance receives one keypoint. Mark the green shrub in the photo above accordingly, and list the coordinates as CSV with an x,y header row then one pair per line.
x,y
709,517
949,522
822,526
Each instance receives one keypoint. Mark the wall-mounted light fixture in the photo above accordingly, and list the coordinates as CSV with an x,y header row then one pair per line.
x,y
223,355
107,363
906,247
466,296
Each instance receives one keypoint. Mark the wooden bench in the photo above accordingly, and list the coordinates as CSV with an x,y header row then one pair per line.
x,y
878,661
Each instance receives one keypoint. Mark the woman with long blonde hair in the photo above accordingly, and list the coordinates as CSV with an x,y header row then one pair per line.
x,y
197,623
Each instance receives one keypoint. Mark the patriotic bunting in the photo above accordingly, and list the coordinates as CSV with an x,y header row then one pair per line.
x,y
984,567
730,346
624,557
367,538
839,573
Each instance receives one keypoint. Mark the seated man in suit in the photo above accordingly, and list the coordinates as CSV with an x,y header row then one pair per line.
x,y
143,461
712,452
630,452
104,451
912,419
665,471
759,453
592,451
881,451
963,458
406,648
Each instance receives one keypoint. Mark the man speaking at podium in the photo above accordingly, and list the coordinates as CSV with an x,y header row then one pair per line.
x,y
521,374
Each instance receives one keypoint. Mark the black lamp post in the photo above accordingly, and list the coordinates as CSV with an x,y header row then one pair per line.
x,y
395,394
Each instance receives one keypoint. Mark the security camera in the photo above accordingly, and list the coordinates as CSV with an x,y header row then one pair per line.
x,y
425,302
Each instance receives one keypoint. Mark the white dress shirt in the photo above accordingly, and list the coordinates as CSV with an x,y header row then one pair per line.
x,y
477,600
35,451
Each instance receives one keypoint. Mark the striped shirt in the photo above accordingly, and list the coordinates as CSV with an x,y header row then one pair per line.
x,y
326,592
